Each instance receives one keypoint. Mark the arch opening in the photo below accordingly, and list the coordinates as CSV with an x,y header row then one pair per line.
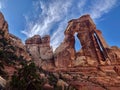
x,y
77,43
102,50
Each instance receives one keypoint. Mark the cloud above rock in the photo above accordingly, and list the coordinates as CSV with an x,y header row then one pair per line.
x,y
51,16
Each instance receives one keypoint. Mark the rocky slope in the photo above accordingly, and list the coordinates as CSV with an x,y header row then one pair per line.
x,y
11,43
12,51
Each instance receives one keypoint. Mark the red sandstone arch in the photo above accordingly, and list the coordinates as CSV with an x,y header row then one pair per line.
x,y
92,42
91,39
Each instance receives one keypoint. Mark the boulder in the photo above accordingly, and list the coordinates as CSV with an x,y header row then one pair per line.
x,y
48,87
62,84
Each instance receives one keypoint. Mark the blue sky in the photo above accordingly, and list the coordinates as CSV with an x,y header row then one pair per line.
x,y
29,17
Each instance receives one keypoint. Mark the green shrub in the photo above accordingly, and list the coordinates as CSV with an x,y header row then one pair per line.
x,y
27,78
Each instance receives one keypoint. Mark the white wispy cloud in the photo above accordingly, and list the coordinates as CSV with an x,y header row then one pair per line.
x,y
53,16
58,35
1,5
101,7
51,13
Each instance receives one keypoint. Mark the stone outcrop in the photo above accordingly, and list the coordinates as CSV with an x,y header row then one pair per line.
x,y
114,54
96,66
65,53
3,28
12,50
19,47
11,43
34,40
40,50
95,50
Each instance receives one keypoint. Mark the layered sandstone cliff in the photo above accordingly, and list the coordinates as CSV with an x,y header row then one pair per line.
x,y
40,50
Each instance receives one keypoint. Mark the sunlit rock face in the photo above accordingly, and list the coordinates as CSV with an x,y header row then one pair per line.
x,y
10,42
12,50
96,66
34,40
40,50
3,27
20,49
95,50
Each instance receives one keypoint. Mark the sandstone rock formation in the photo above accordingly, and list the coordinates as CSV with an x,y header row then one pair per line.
x,y
3,27
12,50
10,42
19,47
40,50
95,67
94,51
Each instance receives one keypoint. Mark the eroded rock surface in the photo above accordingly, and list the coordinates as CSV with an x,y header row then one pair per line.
x,y
95,50
3,27
10,42
40,50
96,66
19,47
12,50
